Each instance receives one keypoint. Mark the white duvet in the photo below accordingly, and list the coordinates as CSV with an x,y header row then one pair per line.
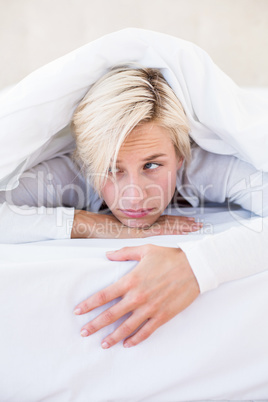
x,y
214,350
223,118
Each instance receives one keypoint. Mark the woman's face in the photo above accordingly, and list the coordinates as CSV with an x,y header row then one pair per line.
x,y
145,176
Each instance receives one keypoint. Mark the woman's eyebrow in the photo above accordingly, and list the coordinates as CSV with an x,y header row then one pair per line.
x,y
148,158
154,156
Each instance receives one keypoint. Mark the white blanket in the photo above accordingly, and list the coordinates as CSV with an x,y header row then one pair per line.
x,y
224,118
214,350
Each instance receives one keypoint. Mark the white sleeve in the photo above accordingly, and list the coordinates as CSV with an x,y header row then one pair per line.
x,y
242,250
28,224
42,206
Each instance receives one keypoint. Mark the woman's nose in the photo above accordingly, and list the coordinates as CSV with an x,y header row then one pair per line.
x,y
132,192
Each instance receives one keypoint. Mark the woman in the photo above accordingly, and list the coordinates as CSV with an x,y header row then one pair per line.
x,y
133,142
132,137
134,149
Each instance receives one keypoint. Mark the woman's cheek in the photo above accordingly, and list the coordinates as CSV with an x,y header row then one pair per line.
x,y
108,194
168,184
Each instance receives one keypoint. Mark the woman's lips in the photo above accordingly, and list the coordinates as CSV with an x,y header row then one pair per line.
x,y
139,213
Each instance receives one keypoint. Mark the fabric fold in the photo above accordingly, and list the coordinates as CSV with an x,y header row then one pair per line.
x,y
224,118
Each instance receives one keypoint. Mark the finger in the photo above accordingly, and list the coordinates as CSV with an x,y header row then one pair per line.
x,y
102,297
191,228
186,218
178,218
107,317
185,226
171,228
125,329
143,333
127,253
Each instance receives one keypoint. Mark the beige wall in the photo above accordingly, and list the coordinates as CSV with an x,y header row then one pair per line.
x,y
233,32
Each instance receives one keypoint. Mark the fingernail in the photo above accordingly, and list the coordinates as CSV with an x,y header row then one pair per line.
x,y
84,332
109,252
77,311
105,345
127,345
185,233
197,226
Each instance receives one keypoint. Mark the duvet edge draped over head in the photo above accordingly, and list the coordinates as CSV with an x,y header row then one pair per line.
x,y
35,114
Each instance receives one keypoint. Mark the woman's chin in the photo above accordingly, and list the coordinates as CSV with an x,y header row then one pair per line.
x,y
138,223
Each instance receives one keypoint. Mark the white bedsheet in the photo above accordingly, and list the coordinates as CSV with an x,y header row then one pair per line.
x,y
214,350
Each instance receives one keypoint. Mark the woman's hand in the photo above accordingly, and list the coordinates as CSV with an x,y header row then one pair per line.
x,y
93,225
157,289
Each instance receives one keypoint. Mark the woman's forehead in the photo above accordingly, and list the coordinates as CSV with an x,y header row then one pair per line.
x,y
145,138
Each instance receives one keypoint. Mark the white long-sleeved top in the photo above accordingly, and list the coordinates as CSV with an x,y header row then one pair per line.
x,y
240,251
42,207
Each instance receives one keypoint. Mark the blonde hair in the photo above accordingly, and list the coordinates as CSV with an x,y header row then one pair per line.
x,y
127,96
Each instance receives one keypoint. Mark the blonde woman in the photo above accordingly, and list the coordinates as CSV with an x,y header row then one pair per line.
x,y
132,137
133,141
133,159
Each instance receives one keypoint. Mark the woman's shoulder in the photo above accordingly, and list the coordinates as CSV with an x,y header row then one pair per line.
x,y
204,160
209,167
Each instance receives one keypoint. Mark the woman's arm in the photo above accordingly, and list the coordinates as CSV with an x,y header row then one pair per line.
x,y
93,225
166,281
242,250
29,224
42,206
48,204
233,254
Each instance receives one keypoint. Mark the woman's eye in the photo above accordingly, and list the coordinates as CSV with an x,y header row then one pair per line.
x,y
117,170
151,165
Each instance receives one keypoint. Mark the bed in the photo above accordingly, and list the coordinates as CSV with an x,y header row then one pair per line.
x,y
216,349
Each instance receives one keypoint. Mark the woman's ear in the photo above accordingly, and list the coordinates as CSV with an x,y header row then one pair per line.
x,y
179,162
